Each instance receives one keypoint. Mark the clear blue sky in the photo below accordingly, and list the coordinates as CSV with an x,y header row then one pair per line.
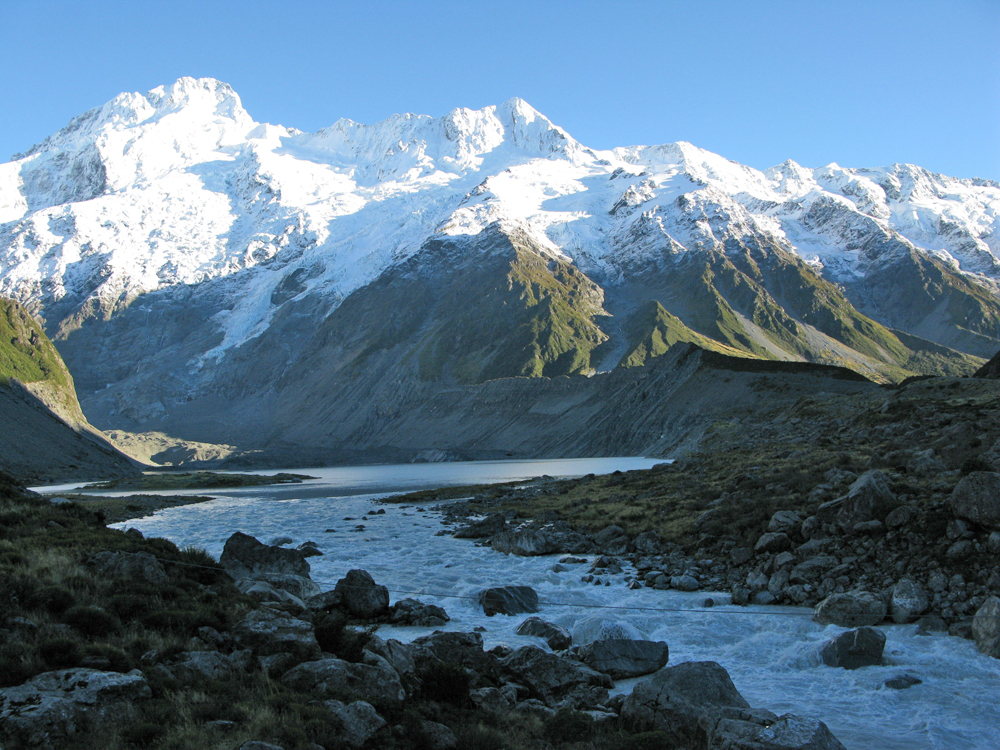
x,y
860,83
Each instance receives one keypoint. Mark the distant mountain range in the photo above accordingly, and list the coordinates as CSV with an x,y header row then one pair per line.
x,y
224,280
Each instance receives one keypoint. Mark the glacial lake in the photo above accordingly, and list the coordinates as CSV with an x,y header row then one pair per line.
x,y
772,653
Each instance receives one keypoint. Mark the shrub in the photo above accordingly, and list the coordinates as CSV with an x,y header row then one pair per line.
x,y
569,726
329,628
92,621
17,664
446,683
118,660
60,653
479,737
54,600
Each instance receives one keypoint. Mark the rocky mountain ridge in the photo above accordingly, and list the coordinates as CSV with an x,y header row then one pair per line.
x,y
208,259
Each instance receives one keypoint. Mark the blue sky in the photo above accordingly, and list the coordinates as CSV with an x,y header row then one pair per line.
x,y
858,83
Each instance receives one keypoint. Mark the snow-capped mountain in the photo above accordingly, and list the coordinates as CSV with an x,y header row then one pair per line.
x,y
171,224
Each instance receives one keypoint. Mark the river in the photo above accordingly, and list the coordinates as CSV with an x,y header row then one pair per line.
x,y
772,653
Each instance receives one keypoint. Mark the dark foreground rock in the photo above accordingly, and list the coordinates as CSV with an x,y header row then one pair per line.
x,y
851,610
415,612
53,706
986,627
380,683
361,596
245,557
623,658
854,649
508,600
696,705
976,498
557,680
557,637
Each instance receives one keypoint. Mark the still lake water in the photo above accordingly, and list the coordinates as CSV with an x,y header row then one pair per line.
x,y
772,653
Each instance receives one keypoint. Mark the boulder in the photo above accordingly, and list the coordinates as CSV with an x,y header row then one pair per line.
x,y
557,680
772,541
899,517
599,628
487,527
868,498
680,701
527,541
491,699
133,566
684,583
907,601
812,569
851,610
613,541
976,498
300,587
48,709
415,612
986,627
557,637
785,521
267,632
360,721
262,591
200,666
397,654
648,543
437,736
360,596
508,600
623,658
257,745
787,732
377,683
856,648
463,649
245,557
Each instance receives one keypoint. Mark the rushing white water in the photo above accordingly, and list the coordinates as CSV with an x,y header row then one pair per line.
x,y
770,652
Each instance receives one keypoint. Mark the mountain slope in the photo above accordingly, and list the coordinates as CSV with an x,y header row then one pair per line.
x,y
191,263
45,435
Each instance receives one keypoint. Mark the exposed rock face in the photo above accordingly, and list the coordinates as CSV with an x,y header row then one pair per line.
x,y
977,498
556,636
53,706
135,566
268,632
245,557
360,720
556,680
415,612
986,627
855,648
361,596
374,682
196,666
508,600
908,601
623,658
851,610
464,649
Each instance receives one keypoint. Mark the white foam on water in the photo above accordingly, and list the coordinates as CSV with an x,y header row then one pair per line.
x,y
772,653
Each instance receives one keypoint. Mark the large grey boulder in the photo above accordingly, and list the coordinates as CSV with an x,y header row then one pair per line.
x,y
462,649
267,632
527,541
360,721
51,707
397,654
788,732
976,498
907,601
361,596
415,612
648,542
375,683
986,627
612,540
772,541
262,591
557,637
697,706
854,649
132,566
300,587
853,609
812,569
557,680
245,557
508,600
199,666
785,521
869,498
683,701
622,658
